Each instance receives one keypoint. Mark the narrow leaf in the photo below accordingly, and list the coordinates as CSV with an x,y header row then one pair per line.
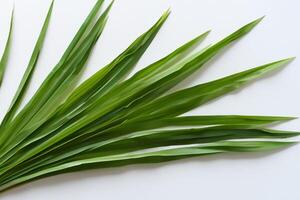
x,y
5,55
154,156
187,99
22,88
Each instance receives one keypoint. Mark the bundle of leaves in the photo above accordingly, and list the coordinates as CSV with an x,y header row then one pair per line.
x,y
111,120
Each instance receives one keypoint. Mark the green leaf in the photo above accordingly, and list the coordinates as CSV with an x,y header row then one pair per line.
x,y
132,54
104,79
154,156
77,63
182,101
120,96
114,72
138,84
111,121
152,82
158,138
113,143
5,55
46,90
187,99
26,77
205,120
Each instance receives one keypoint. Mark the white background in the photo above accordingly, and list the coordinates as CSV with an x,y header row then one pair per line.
x,y
264,176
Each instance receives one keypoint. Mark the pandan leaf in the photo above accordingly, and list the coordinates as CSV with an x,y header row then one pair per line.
x,y
141,43
154,156
110,120
5,55
187,99
131,88
26,78
78,60
54,78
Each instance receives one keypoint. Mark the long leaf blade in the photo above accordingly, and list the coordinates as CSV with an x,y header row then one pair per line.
x,y
5,55
35,103
142,42
187,99
154,156
80,58
138,87
22,88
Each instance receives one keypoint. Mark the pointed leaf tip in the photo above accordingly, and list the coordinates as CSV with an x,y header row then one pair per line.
x,y
13,8
288,118
51,7
287,144
205,33
291,58
167,12
163,18
259,19
201,37
277,64
106,11
256,21
111,4
248,27
52,4
285,61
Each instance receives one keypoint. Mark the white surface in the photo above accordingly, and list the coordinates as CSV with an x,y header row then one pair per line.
x,y
238,176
